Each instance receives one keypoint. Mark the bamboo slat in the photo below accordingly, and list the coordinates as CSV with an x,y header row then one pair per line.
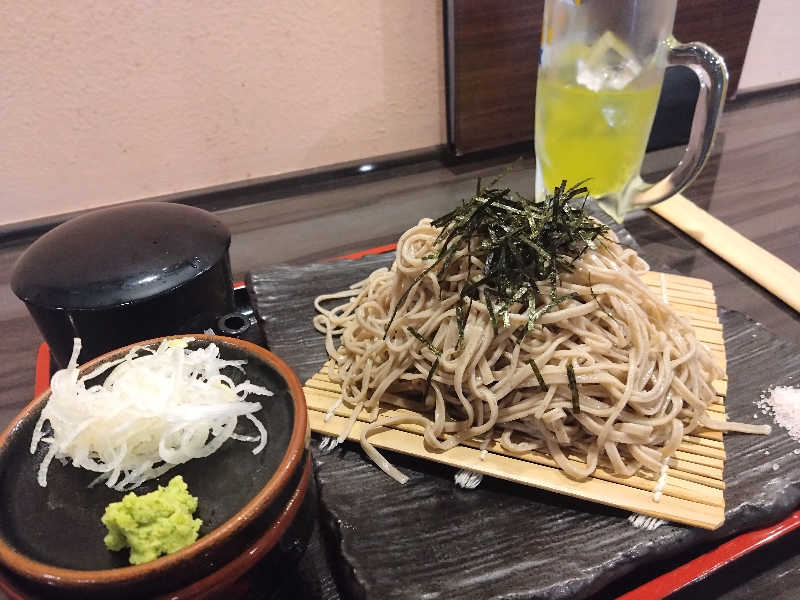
x,y
692,494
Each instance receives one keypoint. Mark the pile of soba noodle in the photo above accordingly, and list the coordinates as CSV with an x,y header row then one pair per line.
x,y
642,379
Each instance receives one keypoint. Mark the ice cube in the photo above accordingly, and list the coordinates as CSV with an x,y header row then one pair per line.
x,y
609,64
612,115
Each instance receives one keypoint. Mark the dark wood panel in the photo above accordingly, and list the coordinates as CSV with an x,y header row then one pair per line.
x,y
493,50
725,26
495,47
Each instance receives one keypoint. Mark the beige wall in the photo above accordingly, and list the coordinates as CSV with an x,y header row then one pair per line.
x,y
772,56
103,102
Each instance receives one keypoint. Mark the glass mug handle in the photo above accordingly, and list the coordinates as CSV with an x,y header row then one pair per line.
x,y
713,74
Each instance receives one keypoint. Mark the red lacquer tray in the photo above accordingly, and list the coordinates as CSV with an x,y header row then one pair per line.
x,y
663,585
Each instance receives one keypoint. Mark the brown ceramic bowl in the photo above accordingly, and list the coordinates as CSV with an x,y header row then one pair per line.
x,y
53,538
252,572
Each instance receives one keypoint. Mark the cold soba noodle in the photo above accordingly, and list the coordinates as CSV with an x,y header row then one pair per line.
x,y
525,323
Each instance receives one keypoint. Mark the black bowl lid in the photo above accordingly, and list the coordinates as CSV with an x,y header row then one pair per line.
x,y
119,255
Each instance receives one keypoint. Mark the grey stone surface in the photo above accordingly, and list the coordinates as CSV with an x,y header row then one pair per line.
x,y
429,539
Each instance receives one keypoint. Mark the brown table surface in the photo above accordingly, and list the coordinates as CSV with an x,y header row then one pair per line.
x,y
750,183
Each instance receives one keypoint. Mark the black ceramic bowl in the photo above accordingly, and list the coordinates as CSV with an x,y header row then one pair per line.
x,y
53,536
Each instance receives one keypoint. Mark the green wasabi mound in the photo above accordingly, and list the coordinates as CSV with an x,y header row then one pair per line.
x,y
152,524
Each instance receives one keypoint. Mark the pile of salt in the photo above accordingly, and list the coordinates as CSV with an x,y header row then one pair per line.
x,y
783,403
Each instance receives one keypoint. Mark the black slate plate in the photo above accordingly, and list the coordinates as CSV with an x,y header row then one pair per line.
x,y
430,539
60,525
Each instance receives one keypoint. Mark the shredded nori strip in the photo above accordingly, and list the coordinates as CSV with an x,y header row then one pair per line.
x,y
603,308
436,352
522,242
538,373
490,308
429,378
405,294
573,386
547,308
424,340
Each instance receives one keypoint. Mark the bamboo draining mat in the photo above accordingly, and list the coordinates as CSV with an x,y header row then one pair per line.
x,y
693,493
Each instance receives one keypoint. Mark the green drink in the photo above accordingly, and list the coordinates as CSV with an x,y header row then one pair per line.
x,y
596,135
601,67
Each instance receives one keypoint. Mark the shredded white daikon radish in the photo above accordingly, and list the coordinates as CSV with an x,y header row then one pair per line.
x,y
155,410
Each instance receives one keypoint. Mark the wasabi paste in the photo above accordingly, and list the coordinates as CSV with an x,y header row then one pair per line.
x,y
153,524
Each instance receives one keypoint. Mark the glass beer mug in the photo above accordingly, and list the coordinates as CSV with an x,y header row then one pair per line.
x,y
601,66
